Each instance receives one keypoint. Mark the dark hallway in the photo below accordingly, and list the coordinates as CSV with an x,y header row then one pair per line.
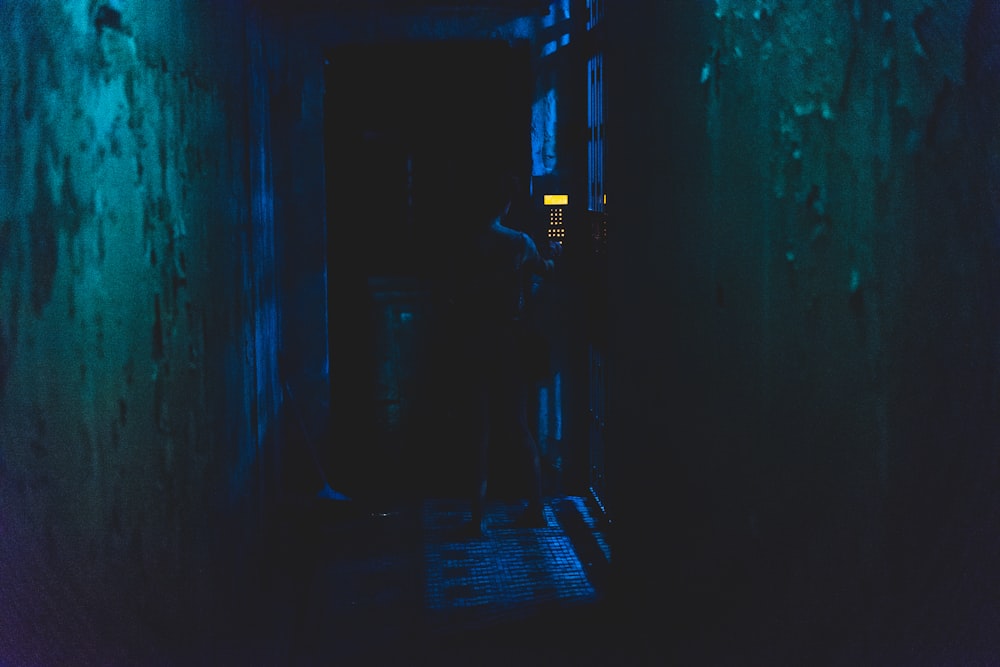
x,y
236,423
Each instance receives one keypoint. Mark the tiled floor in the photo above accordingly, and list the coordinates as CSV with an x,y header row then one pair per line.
x,y
407,586
482,582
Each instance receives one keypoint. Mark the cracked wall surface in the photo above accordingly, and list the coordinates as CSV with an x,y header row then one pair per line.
x,y
122,241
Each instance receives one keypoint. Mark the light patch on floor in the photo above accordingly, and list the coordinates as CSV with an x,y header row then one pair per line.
x,y
507,574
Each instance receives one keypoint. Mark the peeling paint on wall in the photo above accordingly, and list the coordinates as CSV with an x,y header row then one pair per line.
x,y
125,186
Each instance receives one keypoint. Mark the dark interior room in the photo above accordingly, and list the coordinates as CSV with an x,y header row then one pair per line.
x,y
264,401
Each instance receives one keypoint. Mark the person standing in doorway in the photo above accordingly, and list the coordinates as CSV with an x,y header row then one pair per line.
x,y
497,271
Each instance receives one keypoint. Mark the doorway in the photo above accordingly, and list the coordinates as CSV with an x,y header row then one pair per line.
x,y
404,124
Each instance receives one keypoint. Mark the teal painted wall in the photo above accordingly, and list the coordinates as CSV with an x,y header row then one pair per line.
x,y
802,198
137,329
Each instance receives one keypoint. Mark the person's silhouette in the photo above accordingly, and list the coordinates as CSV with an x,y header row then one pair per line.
x,y
495,282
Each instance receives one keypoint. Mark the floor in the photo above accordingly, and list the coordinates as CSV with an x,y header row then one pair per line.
x,y
408,586
403,584
399,585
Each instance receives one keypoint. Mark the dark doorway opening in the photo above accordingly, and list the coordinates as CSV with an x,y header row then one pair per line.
x,y
406,124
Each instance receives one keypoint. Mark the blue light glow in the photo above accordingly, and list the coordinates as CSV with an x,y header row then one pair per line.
x,y
543,134
543,412
557,396
505,572
588,520
558,11
550,410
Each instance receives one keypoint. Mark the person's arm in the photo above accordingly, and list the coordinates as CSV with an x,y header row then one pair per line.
x,y
538,265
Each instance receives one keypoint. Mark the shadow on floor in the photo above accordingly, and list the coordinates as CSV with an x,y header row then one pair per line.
x,y
406,586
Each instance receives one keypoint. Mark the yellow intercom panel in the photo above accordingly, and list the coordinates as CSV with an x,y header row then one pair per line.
x,y
556,205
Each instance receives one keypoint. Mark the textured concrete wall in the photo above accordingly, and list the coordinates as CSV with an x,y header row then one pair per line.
x,y
807,214
133,344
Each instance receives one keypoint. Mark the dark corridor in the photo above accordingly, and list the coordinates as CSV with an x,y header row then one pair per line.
x,y
225,256
412,130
